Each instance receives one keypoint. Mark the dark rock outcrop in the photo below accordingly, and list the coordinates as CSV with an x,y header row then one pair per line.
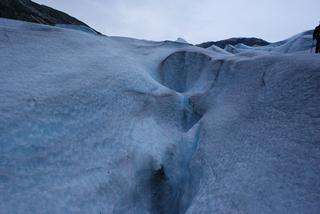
x,y
26,10
234,41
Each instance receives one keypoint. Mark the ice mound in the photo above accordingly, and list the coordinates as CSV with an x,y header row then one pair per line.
x,y
181,40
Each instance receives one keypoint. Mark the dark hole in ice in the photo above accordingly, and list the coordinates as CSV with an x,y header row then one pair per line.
x,y
162,194
159,175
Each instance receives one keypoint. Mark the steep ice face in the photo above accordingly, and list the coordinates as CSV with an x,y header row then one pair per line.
x,y
92,124
188,71
258,151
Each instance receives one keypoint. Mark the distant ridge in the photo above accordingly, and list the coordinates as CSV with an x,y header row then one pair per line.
x,y
26,10
234,41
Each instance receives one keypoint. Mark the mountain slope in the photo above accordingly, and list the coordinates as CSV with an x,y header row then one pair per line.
x,y
26,10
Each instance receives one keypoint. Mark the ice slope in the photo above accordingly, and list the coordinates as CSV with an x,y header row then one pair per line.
x,y
299,43
78,27
95,124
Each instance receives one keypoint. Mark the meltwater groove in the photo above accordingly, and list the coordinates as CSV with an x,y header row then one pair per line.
x,y
170,184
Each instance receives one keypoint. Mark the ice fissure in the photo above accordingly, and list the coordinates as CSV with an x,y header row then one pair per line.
x,y
171,183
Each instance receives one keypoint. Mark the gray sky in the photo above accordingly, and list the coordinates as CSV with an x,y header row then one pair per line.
x,y
194,20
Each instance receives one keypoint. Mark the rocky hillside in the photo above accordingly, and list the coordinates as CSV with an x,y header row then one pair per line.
x,y
26,10
234,41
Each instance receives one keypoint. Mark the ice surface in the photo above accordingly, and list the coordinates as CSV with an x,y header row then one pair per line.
x,y
299,43
94,124
181,40
77,27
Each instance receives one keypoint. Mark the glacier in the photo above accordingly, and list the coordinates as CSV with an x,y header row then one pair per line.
x,y
100,124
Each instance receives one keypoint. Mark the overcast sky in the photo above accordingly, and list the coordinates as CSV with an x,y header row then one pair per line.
x,y
194,20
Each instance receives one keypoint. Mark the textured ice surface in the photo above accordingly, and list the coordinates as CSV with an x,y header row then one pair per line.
x,y
299,43
77,27
93,124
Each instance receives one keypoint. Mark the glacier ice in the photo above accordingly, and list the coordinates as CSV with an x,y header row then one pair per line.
x,y
95,124
78,27
182,40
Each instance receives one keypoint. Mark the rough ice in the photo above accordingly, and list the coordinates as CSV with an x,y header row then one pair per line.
x,y
97,124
